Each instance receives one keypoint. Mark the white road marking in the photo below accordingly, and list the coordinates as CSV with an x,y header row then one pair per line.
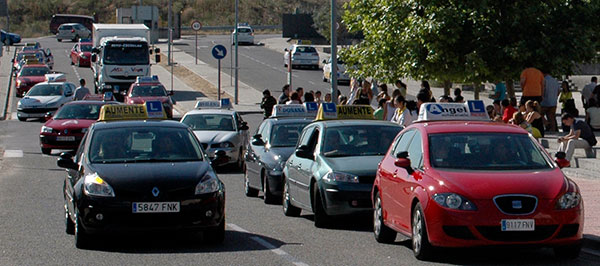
x,y
267,65
311,82
76,73
13,153
271,247
13,116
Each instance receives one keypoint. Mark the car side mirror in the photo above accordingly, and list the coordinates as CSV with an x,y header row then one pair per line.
x,y
257,140
48,116
68,93
170,93
244,127
94,58
157,58
304,152
66,161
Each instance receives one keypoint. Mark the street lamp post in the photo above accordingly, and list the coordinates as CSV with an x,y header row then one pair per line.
x,y
236,50
334,69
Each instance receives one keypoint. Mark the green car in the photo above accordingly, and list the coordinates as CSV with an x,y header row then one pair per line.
x,y
333,168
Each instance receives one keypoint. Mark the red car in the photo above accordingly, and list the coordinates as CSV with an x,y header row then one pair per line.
x,y
473,182
81,54
149,89
29,75
66,128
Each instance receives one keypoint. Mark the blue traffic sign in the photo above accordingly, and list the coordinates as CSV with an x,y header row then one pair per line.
x,y
219,51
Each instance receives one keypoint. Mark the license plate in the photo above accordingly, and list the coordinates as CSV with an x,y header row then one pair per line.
x,y
518,225
65,138
154,207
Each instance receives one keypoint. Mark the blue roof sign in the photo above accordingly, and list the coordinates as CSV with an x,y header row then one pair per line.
x,y
225,103
289,110
469,111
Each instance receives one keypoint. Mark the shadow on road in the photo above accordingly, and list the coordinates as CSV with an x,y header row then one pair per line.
x,y
187,95
359,223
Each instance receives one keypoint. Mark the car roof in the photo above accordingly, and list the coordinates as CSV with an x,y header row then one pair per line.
x,y
91,102
211,111
71,24
354,122
287,120
138,123
468,126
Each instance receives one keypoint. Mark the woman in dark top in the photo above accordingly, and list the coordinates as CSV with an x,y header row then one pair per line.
x,y
365,95
533,115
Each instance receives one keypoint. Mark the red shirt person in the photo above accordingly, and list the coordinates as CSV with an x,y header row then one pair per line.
x,y
508,110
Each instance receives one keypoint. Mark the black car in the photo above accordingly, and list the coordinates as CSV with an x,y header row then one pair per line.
x,y
266,154
141,175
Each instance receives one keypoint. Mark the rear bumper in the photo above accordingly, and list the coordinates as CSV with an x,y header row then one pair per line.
x,y
347,198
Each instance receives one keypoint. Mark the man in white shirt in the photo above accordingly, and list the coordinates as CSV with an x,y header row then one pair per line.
x,y
402,115
586,93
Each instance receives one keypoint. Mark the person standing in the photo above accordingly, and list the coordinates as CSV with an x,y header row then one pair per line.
x,y
318,99
586,92
548,104
365,95
402,115
402,87
532,84
533,116
81,91
580,136
565,95
300,92
507,111
285,95
267,103
592,115
499,91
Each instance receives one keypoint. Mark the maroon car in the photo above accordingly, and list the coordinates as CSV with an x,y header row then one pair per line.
x,y
150,89
81,54
29,75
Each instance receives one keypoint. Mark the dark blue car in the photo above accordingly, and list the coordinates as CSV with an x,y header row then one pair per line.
x,y
9,38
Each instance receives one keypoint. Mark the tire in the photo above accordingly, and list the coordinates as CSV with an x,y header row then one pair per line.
x,y
76,38
69,224
421,247
568,252
46,151
81,237
248,191
269,198
321,218
215,235
22,119
284,65
289,209
383,234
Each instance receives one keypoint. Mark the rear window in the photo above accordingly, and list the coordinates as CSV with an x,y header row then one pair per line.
x,y
244,30
306,49
65,27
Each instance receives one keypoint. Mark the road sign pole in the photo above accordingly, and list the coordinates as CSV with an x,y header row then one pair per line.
x,y
219,83
196,47
236,51
196,26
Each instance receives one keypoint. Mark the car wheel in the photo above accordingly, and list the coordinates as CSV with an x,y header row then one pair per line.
x,y
69,224
321,217
568,252
76,38
269,198
288,208
383,234
215,235
81,237
248,191
22,118
46,151
420,241
284,65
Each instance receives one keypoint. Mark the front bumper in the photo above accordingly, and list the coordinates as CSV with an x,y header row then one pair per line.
x,y
52,141
34,112
196,213
347,198
275,183
305,62
452,228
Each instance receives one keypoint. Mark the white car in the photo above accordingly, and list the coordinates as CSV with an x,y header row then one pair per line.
x,y
44,97
245,35
342,76
72,31
219,130
302,55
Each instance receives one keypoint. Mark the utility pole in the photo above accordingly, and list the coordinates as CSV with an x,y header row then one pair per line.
x,y
170,25
236,50
334,69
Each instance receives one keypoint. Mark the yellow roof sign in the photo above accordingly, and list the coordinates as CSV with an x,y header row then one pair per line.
x,y
148,110
331,111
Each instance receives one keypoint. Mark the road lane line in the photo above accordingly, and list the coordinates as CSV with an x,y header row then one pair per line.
x,y
13,153
269,246
267,65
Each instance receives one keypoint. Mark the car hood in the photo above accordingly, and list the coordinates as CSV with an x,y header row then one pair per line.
x,y
145,176
357,165
31,79
214,136
61,124
38,100
545,184
140,100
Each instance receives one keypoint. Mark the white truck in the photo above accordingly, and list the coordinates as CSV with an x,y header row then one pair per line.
x,y
121,54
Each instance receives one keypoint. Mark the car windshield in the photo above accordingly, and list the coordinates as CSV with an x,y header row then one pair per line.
x,y
486,151
34,71
216,122
306,49
126,54
46,90
148,90
286,135
86,48
144,144
78,111
364,140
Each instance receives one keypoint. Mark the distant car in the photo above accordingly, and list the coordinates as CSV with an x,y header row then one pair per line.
x,y
149,89
81,54
44,97
66,128
59,19
72,31
32,46
342,76
28,76
245,35
21,58
302,56
9,38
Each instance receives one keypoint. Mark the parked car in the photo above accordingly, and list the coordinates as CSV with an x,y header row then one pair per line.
x,y
302,56
9,38
72,31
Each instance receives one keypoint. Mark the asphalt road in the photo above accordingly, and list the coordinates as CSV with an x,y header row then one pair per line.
x,y
32,222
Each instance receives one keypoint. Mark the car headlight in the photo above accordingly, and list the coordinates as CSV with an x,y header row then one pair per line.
x,y
225,144
568,200
454,201
209,184
18,83
46,129
340,177
94,185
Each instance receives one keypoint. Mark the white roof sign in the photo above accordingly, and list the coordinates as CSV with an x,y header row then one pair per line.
x,y
469,111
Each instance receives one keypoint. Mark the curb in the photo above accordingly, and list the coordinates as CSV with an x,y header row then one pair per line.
x,y
591,245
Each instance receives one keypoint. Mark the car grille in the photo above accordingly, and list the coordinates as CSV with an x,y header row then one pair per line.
x,y
495,233
460,232
146,194
516,204
366,179
70,131
36,110
123,77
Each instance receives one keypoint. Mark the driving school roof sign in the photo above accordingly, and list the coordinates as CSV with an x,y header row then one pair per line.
x,y
149,110
469,111
331,111
289,110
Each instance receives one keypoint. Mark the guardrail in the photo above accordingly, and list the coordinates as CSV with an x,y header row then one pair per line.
x,y
231,27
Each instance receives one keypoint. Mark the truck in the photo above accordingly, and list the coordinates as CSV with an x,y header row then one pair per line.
x,y
120,54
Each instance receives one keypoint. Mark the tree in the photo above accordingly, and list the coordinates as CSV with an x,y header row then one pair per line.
x,y
469,40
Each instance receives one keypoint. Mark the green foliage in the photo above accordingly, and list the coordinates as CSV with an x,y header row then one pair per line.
x,y
469,40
